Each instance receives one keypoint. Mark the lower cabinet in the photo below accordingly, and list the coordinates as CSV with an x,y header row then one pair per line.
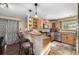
x,y
71,39
68,38
64,38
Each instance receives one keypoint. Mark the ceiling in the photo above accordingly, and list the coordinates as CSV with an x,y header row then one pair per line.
x,y
45,10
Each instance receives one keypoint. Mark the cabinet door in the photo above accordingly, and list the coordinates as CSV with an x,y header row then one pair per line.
x,y
71,39
58,25
68,38
64,38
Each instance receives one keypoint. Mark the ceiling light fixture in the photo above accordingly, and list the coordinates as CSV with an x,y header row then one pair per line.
x,y
36,9
30,12
4,5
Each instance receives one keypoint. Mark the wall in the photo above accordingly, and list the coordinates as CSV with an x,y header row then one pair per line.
x,y
22,25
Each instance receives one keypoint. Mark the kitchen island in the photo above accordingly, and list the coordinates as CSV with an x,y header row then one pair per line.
x,y
41,43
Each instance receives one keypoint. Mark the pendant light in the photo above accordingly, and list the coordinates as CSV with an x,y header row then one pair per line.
x,y
30,12
36,9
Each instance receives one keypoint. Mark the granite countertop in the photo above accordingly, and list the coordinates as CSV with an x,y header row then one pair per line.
x,y
33,33
70,33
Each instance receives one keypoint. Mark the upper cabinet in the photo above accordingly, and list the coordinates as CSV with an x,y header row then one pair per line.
x,y
30,23
58,25
36,23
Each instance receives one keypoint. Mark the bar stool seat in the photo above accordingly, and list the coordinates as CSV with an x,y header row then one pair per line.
x,y
27,48
26,44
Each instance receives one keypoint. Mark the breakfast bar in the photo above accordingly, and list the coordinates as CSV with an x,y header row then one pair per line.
x,y
41,43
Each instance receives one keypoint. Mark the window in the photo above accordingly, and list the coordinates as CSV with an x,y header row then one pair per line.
x,y
69,25
45,26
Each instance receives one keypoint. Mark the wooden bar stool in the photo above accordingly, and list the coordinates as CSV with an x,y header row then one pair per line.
x,y
25,46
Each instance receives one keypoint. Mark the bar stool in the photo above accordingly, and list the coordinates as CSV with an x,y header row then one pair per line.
x,y
25,46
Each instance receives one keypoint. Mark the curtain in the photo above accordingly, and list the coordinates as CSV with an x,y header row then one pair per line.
x,y
11,31
2,27
9,28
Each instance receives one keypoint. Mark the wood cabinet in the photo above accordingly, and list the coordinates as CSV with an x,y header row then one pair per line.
x,y
58,25
71,39
29,23
68,38
42,22
64,38
37,23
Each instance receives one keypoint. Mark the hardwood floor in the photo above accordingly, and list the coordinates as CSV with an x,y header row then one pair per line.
x,y
58,48
12,49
